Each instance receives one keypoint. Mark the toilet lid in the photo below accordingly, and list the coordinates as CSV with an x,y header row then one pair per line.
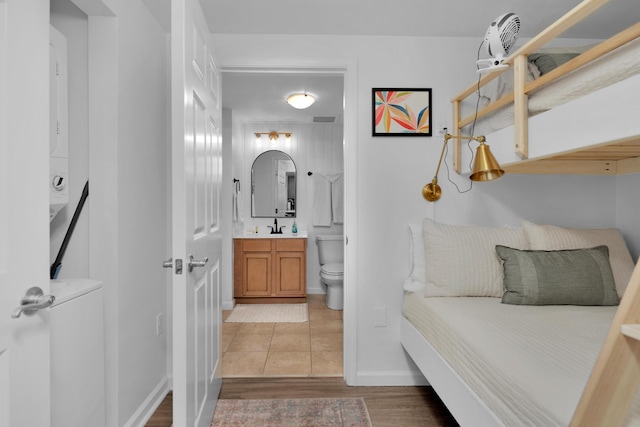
x,y
333,269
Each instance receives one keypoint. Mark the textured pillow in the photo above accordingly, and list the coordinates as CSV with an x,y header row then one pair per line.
x,y
551,237
462,261
572,276
546,62
415,281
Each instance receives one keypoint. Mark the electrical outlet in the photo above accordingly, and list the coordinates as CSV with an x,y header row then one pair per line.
x,y
442,127
159,323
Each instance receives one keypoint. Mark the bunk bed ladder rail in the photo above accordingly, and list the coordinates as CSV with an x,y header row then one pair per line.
x,y
616,375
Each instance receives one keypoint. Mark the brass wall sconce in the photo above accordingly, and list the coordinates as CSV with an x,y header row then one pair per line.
x,y
273,136
485,166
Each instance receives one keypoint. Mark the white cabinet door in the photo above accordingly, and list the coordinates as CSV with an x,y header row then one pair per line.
x,y
24,196
196,175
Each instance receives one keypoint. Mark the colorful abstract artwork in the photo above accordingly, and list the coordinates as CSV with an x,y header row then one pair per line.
x,y
401,112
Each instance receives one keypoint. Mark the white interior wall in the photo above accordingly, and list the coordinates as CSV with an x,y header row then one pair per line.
x,y
226,193
143,103
315,148
627,208
392,170
129,172
72,23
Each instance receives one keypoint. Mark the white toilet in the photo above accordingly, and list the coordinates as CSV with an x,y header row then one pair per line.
x,y
331,255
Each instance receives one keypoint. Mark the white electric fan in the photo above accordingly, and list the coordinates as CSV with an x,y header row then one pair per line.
x,y
498,40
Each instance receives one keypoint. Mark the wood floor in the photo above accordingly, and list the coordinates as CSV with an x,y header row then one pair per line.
x,y
388,406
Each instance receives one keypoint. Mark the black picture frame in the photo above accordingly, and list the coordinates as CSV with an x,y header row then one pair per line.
x,y
401,112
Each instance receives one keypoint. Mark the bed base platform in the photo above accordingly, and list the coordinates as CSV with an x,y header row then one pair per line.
x,y
463,403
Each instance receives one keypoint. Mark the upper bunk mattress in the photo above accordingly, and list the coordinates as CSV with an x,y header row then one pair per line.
x,y
529,364
611,68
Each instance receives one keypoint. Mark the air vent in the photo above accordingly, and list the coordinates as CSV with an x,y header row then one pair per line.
x,y
324,119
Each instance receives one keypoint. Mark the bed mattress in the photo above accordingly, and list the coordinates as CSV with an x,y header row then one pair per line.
x,y
611,68
529,364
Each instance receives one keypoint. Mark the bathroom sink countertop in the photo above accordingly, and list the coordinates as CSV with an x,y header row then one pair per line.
x,y
285,235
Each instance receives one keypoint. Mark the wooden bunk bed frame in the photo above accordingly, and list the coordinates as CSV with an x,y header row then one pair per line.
x,y
608,158
616,374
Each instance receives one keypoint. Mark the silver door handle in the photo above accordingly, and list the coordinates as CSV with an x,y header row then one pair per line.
x,y
33,301
196,263
168,263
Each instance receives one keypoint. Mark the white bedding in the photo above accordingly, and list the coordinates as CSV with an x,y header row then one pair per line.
x,y
529,364
613,67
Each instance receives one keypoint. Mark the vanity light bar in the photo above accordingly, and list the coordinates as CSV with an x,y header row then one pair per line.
x,y
273,136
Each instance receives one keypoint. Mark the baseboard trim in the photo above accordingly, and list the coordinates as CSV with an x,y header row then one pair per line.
x,y
396,378
150,404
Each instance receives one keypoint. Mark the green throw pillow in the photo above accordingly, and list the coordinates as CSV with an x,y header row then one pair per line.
x,y
548,61
575,277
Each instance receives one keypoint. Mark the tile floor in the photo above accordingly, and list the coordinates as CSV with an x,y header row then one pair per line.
x,y
309,349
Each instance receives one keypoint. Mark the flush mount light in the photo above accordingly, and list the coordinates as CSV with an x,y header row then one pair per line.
x,y
300,100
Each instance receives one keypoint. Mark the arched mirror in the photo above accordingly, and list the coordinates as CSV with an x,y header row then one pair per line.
x,y
273,186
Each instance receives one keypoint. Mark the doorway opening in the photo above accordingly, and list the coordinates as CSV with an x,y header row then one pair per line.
x,y
254,101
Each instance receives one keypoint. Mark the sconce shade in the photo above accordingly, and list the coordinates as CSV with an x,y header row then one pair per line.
x,y
300,100
485,166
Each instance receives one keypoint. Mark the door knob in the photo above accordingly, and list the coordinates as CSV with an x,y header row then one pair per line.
x,y
168,263
196,263
33,301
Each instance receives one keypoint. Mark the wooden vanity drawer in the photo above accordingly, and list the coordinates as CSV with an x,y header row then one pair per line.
x,y
256,245
290,245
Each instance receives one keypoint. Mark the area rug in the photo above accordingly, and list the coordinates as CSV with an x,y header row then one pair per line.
x,y
261,313
351,412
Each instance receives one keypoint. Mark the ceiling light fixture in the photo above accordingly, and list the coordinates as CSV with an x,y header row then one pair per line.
x,y
273,135
300,100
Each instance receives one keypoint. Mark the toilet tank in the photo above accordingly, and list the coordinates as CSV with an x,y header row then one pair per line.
x,y
330,248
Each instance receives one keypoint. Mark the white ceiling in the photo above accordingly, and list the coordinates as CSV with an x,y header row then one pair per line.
x,y
260,97
449,18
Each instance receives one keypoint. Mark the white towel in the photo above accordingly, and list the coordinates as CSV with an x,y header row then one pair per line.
x,y
328,200
238,207
234,207
337,199
321,201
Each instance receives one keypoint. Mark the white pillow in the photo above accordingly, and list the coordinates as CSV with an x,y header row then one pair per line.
x,y
462,260
551,237
416,280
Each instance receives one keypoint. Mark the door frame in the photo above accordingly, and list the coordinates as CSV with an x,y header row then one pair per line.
x,y
348,69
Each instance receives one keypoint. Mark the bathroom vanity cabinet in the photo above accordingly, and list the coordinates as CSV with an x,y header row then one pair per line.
x,y
270,270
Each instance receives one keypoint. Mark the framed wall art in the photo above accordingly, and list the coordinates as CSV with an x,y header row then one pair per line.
x,y
401,112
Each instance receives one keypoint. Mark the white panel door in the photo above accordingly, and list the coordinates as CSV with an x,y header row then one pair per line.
x,y
24,225
196,175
